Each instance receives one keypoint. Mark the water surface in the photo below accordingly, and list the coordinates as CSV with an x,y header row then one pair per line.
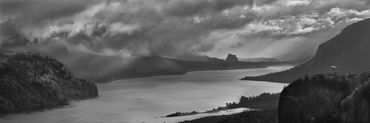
x,y
147,99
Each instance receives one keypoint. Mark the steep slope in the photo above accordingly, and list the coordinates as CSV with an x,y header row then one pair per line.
x,y
348,51
326,99
30,82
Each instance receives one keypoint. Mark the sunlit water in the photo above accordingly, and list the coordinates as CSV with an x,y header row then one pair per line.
x,y
147,99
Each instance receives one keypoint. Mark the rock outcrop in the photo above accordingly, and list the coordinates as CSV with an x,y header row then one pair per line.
x,y
30,82
231,58
326,99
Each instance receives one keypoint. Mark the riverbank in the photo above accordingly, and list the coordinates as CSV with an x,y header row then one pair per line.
x,y
262,101
255,116
263,108
267,77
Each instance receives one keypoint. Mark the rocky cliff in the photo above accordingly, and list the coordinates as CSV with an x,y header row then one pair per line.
x,y
326,99
231,58
30,82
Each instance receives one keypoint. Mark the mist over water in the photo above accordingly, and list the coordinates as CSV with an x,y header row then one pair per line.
x,y
147,99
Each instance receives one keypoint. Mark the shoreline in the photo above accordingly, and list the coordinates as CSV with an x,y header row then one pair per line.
x,y
262,102
264,79
174,74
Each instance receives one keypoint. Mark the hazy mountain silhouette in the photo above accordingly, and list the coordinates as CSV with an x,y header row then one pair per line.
x,y
348,51
158,65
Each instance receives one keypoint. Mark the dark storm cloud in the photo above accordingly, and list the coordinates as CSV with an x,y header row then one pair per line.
x,y
103,35
11,36
176,27
35,11
141,29
195,7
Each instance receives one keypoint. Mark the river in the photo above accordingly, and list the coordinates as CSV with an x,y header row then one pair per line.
x,y
145,100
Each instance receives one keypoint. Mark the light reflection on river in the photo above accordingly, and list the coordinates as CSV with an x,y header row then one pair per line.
x,y
146,99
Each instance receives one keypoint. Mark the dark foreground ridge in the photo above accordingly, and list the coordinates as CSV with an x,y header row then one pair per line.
x,y
326,99
30,82
348,51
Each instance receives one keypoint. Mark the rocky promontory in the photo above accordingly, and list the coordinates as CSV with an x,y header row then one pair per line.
x,y
231,58
30,82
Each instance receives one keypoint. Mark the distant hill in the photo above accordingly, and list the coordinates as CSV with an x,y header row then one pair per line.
x,y
349,52
158,65
101,68
108,68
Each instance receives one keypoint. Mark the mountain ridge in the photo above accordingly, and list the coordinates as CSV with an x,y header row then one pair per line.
x,y
347,51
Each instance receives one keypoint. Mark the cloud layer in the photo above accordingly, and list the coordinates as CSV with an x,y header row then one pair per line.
x,y
284,29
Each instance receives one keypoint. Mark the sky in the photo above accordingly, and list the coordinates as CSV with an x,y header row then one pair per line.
x,y
282,29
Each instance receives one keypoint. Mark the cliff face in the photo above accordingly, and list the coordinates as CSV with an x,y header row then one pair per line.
x,y
31,82
326,99
348,51
231,58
